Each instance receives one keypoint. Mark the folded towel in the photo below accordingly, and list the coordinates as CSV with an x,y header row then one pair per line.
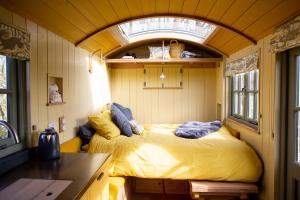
x,y
195,129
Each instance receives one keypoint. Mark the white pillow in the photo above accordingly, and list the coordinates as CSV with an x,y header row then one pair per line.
x,y
159,52
136,127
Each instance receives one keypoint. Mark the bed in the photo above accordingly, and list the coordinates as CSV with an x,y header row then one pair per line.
x,y
158,153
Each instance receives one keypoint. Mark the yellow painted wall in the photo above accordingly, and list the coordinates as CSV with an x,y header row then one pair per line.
x,y
263,140
83,92
196,101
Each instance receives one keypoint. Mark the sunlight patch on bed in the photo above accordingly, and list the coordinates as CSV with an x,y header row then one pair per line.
x,y
166,129
153,154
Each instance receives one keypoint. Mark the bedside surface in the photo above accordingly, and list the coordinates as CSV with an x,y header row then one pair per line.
x,y
81,168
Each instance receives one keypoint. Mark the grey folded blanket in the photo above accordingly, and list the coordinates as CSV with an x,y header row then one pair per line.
x,y
194,129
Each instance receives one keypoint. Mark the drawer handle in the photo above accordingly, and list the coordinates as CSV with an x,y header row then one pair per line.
x,y
100,176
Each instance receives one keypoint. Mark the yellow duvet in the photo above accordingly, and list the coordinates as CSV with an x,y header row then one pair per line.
x,y
158,153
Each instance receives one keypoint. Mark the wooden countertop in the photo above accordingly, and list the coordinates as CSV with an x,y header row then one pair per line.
x,y
81,168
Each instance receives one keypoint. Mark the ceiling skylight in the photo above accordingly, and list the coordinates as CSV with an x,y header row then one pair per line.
x,y
167,27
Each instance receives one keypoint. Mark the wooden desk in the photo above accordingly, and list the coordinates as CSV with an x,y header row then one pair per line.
x,y
82,168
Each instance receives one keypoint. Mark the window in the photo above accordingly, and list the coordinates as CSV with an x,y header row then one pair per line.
x,y
12,103
244,97
167,27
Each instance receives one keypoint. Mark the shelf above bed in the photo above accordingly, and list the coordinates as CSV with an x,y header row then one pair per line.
x,y
161,61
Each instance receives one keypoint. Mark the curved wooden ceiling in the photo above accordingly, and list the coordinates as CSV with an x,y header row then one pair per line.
x,y
239,20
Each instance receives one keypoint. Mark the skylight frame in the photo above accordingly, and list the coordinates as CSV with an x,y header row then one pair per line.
x,y
177,27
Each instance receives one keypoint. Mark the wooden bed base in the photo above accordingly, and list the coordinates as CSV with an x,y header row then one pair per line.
x,y
202,189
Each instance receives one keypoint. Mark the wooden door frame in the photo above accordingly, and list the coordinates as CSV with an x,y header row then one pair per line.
x,y
281,138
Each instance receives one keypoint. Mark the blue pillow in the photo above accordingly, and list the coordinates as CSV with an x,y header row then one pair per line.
x,y
121,121
125,111
86,132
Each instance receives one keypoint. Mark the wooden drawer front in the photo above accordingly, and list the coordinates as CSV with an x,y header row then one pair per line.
x,y
99,189
177,187
148,186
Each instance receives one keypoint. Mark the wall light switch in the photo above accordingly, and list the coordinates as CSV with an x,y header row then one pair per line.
x,y
62,124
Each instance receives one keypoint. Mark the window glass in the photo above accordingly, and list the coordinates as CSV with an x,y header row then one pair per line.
x,y
2,72
297,120
169,25
3,107
251,83
3,133
241,81
256,107
298,81
245,99
251,106
235,83
235,103
241,104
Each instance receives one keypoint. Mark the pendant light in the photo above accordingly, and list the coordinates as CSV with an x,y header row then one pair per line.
x,y
162,75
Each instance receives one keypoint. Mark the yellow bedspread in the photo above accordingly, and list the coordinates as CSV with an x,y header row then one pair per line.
x,y
158,153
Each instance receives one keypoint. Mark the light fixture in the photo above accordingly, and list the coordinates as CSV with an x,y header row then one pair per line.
x,y
162,75
101,60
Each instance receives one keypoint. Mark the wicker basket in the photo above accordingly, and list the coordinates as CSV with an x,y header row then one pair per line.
x,y
176,49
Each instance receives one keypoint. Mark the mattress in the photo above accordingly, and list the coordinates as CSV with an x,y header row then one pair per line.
x,y
158,153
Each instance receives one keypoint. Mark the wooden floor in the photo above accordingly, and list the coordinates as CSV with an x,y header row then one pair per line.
x,y
160,197
172,197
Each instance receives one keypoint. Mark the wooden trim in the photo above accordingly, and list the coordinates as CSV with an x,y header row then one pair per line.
x,y
172,60
225,26
241,124
235,133
205,45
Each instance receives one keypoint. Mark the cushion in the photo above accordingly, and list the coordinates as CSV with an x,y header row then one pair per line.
x,y
136,127
86,132
159,52
104,125
71,146
121,121
124,110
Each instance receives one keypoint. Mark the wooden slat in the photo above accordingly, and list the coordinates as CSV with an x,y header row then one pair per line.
x,y
219,187
135,7
102,39
68,12
205,7
176,6
257,10
189,6
233,43
222,38
120,8
236,10
272,19
19,21
219,9
148,6
162,6
89,11
46,17
105,9
5,15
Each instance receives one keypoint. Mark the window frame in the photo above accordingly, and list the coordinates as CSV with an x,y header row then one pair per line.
x,y
17,103
244,119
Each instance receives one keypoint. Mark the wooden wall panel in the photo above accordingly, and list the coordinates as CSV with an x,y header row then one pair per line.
x,y
52,54
263,142
195,101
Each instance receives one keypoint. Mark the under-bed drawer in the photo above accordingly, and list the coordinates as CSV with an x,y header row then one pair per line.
x,y
148,185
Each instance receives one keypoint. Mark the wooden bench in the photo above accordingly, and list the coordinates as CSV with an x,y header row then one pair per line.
x,y
204,189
